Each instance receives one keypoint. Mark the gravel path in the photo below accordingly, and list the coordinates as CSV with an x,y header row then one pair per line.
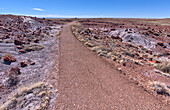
x,y
88,82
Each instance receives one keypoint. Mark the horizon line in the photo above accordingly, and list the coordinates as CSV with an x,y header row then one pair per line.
x,y
82,16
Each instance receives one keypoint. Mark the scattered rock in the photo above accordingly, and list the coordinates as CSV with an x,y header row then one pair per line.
x,y
23,64
15,70
13,59
19,47
1,41
120,69
129,54
22,51
116,37
17,42
32,63
9,58
89,44
160,43
96,37
36,40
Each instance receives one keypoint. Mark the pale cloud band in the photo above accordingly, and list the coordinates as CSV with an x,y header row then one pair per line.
x,y
38,9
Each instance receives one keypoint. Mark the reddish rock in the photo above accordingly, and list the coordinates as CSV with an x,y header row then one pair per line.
x,y
23,64
15,70
150,59
22,51
29,40
160,43
164,46
112,29
32,63
23,42
136,54
140,46
19,47
13,59
116,37
140,58
17,42
7,59
150,52
36,40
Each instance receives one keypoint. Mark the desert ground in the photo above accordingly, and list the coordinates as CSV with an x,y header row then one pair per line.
x,y
84,64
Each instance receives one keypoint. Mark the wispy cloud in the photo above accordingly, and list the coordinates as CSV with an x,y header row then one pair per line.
x,y
38,9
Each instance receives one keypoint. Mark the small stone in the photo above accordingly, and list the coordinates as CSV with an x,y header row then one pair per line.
x,y
13,59
23,64
17,42
43,105
96,37
1,41
46,98
120,69
32,63
7,59
9,98
22,51
38,108
124,63
89,44
51,86
160,43
56,90
19,47
36,40
15,70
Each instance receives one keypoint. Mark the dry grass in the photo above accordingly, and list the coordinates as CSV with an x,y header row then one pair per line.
x,y
33,47
160,88
165,67
58,33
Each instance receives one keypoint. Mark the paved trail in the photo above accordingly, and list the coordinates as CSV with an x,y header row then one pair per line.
x,y
87,82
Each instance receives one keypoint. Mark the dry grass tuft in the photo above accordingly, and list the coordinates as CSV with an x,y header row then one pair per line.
x,y
160,88
164,67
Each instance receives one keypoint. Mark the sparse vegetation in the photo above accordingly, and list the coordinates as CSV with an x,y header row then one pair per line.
x,y
36,47
27,48
165,67
39,90
33,47
160,88
58,33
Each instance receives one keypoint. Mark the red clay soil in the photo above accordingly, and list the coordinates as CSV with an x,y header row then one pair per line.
x,y
87,82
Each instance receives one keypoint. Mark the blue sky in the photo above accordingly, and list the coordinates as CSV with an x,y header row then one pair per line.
x,y
88,8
